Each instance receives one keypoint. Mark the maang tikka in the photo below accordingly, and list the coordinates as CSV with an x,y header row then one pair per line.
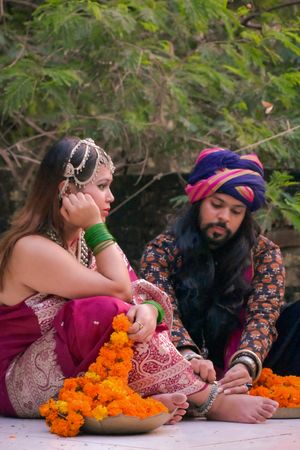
x,y
72,172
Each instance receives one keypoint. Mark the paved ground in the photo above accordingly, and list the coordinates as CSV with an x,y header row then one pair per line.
x,y
275,434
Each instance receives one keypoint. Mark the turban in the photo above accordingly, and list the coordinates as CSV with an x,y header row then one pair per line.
x,y
220,170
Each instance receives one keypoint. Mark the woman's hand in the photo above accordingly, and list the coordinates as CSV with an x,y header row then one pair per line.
x,y
204,368
80,210
143,318
235,380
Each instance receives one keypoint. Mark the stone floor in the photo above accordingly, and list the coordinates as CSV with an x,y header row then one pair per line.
x,y
275,434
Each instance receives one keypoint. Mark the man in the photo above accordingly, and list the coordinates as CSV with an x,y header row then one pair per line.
x,y
224,279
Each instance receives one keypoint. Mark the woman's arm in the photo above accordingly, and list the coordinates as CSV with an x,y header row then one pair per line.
x,y
43,266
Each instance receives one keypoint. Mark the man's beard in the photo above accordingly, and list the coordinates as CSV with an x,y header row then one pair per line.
x,y
216,239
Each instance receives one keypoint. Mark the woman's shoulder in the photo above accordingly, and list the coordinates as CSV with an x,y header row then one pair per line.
x,y
32,245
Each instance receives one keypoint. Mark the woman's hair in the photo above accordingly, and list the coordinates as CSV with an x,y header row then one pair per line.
x,y
41,211
210,285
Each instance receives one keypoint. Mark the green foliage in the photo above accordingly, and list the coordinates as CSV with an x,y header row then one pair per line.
x,y
282,207
152,78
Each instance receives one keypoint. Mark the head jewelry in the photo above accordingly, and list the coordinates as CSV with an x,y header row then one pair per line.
x,y
72,172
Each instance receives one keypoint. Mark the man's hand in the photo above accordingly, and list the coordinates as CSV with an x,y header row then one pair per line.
x,y
236,380
204,368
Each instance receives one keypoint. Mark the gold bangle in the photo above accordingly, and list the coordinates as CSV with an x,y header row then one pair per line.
x,y
100,247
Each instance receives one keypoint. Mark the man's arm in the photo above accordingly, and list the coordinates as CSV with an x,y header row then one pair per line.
x,y
264,305
160,254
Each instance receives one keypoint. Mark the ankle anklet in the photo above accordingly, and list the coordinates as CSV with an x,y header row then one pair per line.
x,y
203,409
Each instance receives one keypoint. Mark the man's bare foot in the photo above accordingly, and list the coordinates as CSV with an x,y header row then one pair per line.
x,y
176,403
242,408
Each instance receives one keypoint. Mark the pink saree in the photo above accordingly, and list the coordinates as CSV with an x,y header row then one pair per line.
x,y
46,338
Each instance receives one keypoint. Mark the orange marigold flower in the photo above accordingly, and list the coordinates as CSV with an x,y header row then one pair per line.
x,y
285,390
121,323
103,390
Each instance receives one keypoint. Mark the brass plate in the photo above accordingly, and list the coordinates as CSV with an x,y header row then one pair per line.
x,y
125,424
287,413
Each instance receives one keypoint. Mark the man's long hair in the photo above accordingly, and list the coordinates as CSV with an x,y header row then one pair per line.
x,y
210,284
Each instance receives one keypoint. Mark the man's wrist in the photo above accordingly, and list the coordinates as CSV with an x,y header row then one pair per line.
x,y
250,360
189,355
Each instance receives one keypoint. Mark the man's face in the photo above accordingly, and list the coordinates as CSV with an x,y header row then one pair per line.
x,y
220,217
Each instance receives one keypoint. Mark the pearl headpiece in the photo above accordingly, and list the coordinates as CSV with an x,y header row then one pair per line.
x,y
72,172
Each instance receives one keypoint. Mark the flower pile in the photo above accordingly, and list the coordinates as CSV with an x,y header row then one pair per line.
x,y
103,390
285,390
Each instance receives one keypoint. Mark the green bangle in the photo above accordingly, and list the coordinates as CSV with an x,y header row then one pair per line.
x,y
100,247
96,234
161,313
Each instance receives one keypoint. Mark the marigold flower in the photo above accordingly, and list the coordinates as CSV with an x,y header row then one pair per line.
x,y
100,412
103,390
285,390
121,323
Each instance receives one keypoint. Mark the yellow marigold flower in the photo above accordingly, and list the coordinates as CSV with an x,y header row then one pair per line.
x,y
62,406
100,412
119,339
93,375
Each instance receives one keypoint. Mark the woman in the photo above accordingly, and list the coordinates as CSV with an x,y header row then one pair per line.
x,y
63,279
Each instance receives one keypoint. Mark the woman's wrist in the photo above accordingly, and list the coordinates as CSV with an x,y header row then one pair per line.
x,y
159,309
92,223
98,237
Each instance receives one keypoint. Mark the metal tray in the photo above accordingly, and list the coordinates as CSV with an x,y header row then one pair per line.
x,y
287,413
125,424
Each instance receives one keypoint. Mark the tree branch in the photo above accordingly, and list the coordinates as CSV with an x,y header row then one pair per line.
x,y
253,15
24,2
275,136
155,178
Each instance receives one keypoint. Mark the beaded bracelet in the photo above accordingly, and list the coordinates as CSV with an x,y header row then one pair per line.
x,y
161,313
96,234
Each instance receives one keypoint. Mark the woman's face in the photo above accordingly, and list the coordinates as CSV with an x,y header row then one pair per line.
x,y
220,216
99,189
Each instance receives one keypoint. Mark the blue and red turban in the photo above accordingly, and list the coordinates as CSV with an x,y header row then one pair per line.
x,y
220,170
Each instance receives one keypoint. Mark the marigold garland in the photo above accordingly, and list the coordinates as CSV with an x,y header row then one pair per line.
x,y
102,391
285,390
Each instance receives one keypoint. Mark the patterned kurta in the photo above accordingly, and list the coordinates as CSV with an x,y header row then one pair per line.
x,y
262,308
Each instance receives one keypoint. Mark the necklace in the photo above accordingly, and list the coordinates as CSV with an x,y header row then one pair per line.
x,y
82,249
